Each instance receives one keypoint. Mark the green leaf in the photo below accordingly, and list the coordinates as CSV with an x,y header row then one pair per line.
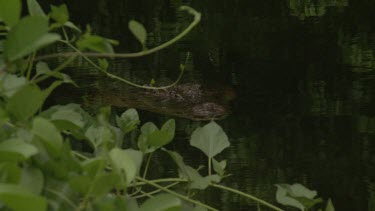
x,y
95,43
330,206
123,164
80,183
169,129
16,150
93,166
20,199
17,45
32,179
283,198
128,121
296,195
60,14
99,136
103,64
72,26
162,202
48,134
138,31
25,102
34,8
10,84
10,172
43,69
136,156
219,167
143,139
103,183
10,11
211,139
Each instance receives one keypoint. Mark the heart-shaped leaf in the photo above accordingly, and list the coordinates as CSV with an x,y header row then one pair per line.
x,y
211,139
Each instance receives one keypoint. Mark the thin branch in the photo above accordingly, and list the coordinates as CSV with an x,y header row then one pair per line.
x,y
197,18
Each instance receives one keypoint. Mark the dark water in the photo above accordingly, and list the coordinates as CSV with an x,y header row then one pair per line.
x,y
304,75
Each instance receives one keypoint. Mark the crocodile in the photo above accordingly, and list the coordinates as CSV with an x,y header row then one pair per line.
x,y
187,100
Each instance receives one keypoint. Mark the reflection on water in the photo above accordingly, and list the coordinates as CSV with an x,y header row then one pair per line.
x,y
304,76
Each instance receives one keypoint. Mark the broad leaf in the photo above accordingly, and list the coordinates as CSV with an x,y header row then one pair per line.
x,y
20,199
10,11
138,31
211,139
34,8
162,202
16,150
60,13
48,134
25,102
123,164
17,45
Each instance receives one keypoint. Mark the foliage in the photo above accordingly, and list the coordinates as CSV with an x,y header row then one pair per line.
x,y
300,197
40,168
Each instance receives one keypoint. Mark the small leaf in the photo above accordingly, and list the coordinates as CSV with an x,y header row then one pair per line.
x,y
143,140
72,26
162,202
95,43
128,121
169,129
103,64
48,134
330,206
138,31
99,136
16,150
10,84
211,139
103,183
136,156
219,167
123,164
20,199
283,198
59,13
93,166
17,45
10,11
25,102
32,179
34,8
80,183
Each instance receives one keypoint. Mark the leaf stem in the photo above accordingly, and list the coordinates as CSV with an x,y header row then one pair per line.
x,y
246,195
176,194
110,75
63,197
147,164
197,18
